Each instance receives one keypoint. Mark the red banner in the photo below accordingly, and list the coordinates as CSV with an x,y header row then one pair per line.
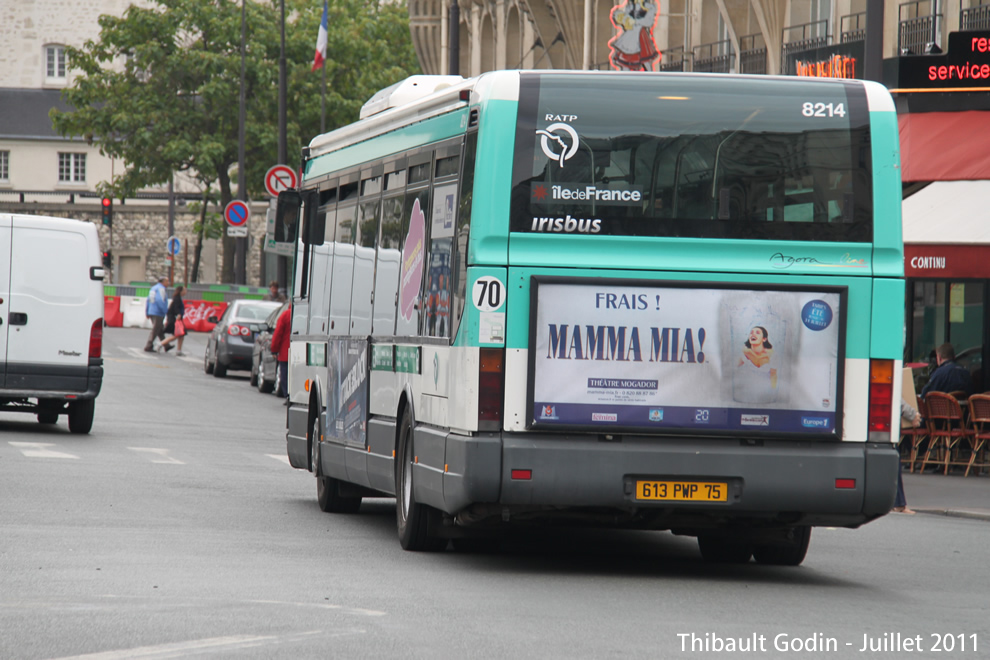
x,y
197,313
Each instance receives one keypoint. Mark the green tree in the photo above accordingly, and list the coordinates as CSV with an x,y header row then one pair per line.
x,y
160,88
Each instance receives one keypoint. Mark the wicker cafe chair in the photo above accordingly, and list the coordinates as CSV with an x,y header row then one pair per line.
x,y
948,427
979,419
913,438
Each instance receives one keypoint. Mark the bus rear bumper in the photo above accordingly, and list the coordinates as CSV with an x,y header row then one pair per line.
x,y
813,483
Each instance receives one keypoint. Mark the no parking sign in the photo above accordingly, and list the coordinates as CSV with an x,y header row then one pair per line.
x,y
236,213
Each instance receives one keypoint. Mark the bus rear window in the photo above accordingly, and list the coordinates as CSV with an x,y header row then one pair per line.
x,y
718,157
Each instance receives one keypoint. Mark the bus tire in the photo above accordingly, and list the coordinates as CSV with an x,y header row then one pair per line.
x,y
720,549
81,415
790,553
412,519
327,488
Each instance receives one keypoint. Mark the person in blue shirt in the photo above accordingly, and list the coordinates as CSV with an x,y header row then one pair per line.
x,y
948,376
155,309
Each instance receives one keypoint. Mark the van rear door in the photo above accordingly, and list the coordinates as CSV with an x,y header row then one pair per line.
x,y
4,293
53,301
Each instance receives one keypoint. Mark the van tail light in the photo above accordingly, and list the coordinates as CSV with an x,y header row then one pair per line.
x,y
881,400
96,339
490,388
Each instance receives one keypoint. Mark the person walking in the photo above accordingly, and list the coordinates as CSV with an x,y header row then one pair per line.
x,y
155,308
175,322
280,348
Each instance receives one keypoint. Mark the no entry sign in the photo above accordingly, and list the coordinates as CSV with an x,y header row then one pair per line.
x,y
236,213
279,178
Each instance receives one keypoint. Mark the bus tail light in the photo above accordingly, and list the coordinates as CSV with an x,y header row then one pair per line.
x,y
881,400
96,339
490,388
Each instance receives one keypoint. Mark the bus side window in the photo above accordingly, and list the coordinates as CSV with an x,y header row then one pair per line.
x,y
437,309
414,224
388,265
320,266
342,269
462,232
364,267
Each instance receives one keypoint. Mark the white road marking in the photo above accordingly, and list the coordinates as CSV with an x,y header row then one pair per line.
x,y
38,450
140,353
163,453
280,457
198,646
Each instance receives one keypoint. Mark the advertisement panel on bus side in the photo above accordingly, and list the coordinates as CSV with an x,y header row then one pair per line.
x,y
662,357
347,393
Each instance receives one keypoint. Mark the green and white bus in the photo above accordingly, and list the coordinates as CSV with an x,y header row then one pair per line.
x,y
648,301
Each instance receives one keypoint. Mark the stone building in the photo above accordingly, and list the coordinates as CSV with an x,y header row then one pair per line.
x,y
43,173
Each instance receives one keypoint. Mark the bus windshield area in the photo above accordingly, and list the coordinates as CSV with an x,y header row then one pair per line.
x,y
705,157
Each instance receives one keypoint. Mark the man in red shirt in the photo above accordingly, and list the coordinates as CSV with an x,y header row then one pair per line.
x,y
280,348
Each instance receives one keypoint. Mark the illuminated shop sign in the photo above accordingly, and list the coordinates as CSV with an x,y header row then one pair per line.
x,y
839,61
966,64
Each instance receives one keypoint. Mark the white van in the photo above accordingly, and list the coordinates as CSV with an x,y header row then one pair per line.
x,y
51,318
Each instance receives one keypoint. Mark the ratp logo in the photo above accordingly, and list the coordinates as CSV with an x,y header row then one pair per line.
x,y
548,412
550,141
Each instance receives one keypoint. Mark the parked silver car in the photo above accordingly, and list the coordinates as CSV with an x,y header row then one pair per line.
x,y
230,344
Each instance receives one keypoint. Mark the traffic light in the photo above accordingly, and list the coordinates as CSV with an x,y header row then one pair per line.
x,y
107,259
108,211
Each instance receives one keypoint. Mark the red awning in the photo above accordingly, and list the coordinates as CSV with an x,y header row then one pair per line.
x,y
945,146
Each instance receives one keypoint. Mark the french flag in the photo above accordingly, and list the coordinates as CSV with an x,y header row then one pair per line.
x,y
321,41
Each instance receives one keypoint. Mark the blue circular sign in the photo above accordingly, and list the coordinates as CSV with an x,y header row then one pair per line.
x,y
173,245
236,213
817,315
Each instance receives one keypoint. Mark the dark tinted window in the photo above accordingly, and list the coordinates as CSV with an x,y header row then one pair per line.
x,y
706,156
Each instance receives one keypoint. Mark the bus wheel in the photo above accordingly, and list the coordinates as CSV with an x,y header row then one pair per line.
x,y
720,549
789,553
412,519
81,415
327,488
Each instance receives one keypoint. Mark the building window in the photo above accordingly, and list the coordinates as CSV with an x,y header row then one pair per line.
x,y
4,166
55,63
71,168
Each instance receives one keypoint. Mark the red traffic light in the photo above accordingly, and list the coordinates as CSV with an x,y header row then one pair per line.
x,y
107,211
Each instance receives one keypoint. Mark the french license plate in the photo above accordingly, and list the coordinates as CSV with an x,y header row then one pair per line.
x,y
683,491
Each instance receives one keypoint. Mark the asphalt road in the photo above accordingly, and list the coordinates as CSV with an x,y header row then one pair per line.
x,y
176,529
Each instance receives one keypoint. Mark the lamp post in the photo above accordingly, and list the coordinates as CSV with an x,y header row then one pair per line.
x,y
281,262
240,243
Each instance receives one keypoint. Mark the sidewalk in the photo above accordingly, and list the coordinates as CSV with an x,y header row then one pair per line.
x,y
948,495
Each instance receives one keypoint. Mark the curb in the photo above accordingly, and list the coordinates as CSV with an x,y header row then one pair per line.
x,y
957,513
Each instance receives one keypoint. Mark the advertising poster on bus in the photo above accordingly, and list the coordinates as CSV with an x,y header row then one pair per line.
x,y
347,390
638,356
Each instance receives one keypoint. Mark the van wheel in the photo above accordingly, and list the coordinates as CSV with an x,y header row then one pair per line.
x,y
790,553
413,520
81,415
720,549
327,488
48,418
